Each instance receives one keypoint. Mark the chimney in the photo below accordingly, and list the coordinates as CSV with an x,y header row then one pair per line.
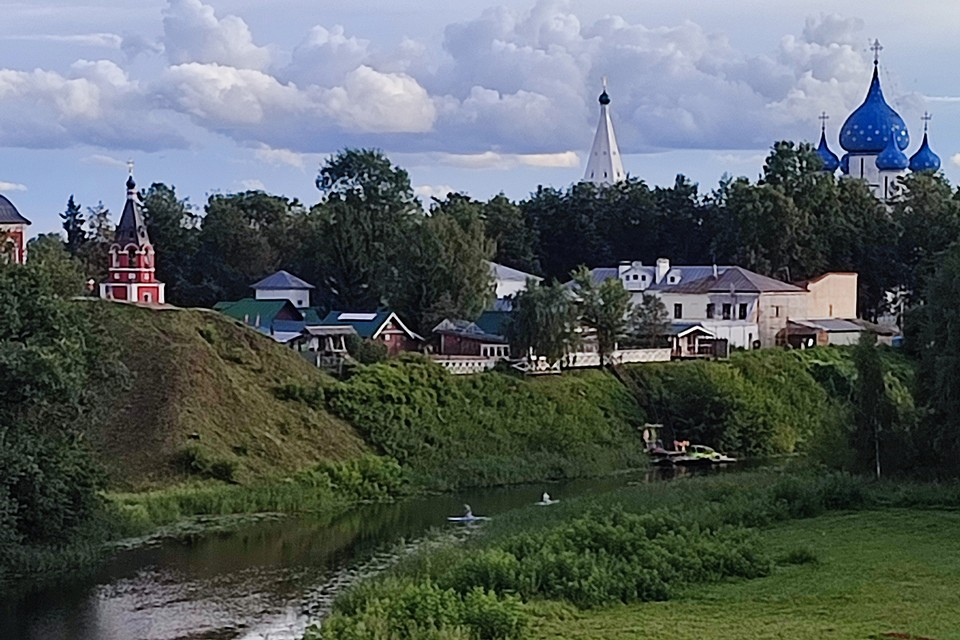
x,y
622,268
663,266
716,272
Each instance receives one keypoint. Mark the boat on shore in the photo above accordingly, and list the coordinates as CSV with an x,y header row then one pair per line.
x,y
689,455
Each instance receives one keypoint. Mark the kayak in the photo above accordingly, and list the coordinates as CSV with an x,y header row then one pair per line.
x,y
466,518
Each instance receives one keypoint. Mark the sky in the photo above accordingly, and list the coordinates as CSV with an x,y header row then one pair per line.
x,y
219,96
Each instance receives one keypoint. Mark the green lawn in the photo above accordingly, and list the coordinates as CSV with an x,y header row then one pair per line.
x,y
879,572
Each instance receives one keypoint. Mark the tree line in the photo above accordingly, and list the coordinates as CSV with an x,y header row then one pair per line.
x,y
368,242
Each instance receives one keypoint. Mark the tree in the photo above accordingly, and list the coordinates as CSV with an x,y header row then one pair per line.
x,y
245,236
649,321
73,222
355,237
62,272
443,271
603,308
874,411
543,321
934,329
507,227
94,255
49,360
174,230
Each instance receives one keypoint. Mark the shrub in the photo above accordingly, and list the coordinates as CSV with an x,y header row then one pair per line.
x,y
314,396
195,459
366,351
801,555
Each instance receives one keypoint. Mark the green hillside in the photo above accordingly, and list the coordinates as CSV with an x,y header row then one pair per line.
x,y
201,398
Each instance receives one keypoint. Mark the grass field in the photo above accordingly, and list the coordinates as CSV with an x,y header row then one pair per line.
x,y
890,573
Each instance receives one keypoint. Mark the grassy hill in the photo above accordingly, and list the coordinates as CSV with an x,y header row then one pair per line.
x,y
201,399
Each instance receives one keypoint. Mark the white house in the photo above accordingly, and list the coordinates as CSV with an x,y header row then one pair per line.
x,y
745,308
284,286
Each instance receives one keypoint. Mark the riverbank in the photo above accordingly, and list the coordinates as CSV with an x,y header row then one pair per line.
x,y
602,561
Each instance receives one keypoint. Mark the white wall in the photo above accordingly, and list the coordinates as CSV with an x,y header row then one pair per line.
x,y
507,288
299,297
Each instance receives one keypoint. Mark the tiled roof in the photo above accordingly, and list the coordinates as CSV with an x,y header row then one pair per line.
x,y
282,280
699,279
9,213
735,279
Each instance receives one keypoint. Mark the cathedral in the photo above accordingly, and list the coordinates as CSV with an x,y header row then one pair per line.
x,y
875,139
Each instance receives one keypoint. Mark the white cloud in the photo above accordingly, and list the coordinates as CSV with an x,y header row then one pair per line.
x,y
494,160
325,57
252,185
373,102
105,40
193,33
105,160
426,192
955,159
280,157
12,186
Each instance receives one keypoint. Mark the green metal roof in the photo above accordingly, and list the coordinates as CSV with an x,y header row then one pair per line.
x,y
248,310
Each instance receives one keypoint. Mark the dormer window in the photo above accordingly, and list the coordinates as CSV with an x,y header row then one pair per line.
x,y
644,278
672,279
636,277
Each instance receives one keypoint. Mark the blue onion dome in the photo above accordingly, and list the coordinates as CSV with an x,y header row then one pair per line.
x,y
925,159
892,158
845,164
830,159
865,130
604,98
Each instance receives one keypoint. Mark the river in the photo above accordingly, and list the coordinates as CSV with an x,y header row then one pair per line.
x,y
263,581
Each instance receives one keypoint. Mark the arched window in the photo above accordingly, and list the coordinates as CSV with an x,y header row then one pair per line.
x,y
132,257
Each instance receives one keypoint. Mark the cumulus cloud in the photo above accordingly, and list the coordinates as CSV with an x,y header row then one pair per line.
x,y
252,185
12,186
284,157
506,88
192,32
955,159
426,192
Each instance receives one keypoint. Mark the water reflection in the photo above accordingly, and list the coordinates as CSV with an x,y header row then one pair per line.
x,y
265,581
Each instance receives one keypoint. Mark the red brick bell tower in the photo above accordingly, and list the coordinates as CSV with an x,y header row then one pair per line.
x,y
131,275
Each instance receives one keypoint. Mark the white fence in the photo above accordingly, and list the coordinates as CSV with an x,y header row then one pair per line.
x,y
462,365
622,356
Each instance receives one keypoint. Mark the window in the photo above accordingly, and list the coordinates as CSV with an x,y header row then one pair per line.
x,y
727,310
636,277
644,278
678,310
672,279
742,311
776,311
831,311
147,298
711,310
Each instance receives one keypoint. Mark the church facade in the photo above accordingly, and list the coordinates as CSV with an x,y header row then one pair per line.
x,y
875,139
131,275
13,232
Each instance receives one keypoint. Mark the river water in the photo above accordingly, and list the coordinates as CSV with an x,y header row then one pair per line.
x,y
263,581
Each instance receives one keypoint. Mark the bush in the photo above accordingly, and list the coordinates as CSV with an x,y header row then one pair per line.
x,y
491,428
799,556
196,460
404,610
366,351
313,396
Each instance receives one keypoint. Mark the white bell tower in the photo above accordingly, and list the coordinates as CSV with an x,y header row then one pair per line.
x,y
604,166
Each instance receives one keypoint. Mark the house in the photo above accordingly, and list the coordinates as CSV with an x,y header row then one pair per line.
x,y
744,308
693,340
13,230
804,334
284,286
383,326
464,338
278,319
508,281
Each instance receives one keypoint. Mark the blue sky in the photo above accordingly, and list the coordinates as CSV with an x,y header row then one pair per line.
x,y
225,95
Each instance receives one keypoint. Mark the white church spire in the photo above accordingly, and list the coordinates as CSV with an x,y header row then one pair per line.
x,y
604,165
